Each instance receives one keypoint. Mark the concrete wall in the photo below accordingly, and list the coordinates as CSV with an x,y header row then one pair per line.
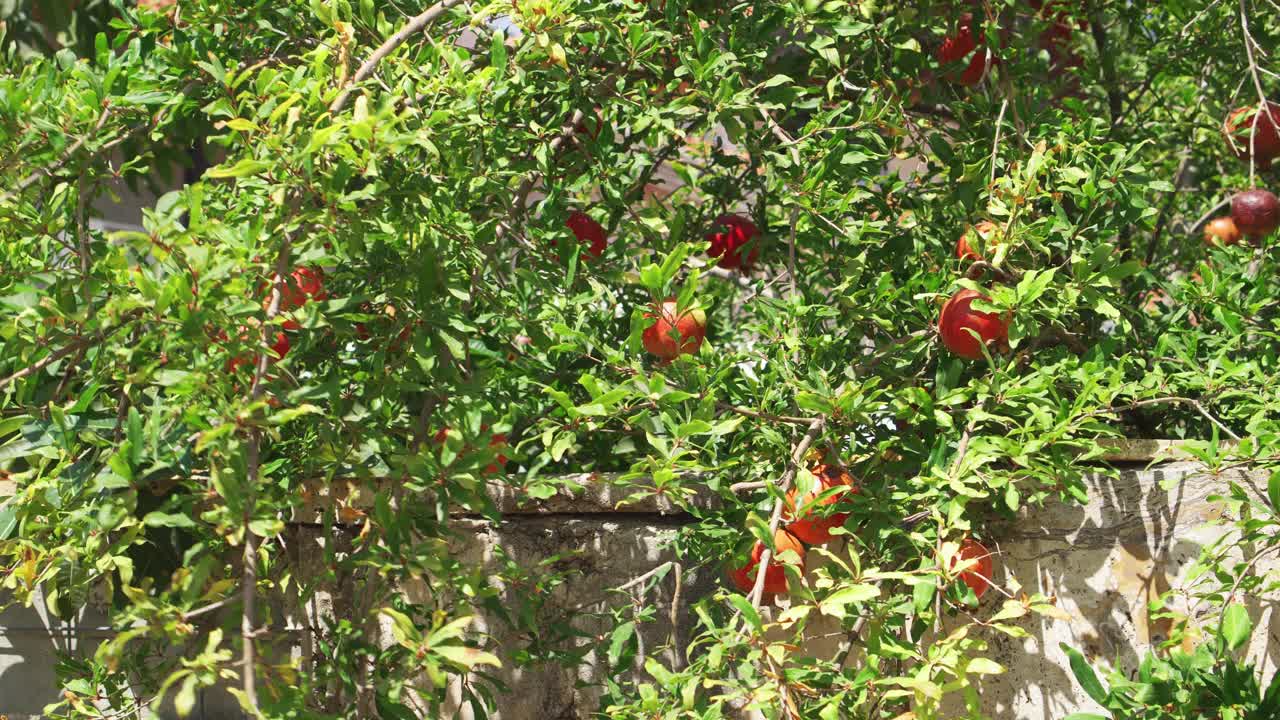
x,y
1104,561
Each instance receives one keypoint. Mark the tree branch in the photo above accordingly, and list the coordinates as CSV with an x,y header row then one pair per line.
x,y
816,427
1172,400
1115,101
66,156
416,24
249,573
75,345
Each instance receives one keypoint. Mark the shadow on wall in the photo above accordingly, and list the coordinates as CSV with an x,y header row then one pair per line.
x,y
1105,562
31,643
571,622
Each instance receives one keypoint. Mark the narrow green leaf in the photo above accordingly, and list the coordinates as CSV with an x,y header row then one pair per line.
x,y
1084,674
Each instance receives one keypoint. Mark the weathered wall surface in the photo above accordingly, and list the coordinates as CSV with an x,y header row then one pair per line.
x,y
1104,561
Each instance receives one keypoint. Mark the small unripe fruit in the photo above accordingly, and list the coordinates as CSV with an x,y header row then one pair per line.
x,y
978,578
958,318
775,577
589,233
690,327
1221,231
1239,128
987,230
1256,212
728,244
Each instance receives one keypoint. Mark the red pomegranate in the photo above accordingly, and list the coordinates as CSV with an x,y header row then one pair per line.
x,y
691,327
499,464
807,524
589,233
958,318
775,577
978,577
728,244
279,349
1239,126
987,230
1255,212
963,44
302,285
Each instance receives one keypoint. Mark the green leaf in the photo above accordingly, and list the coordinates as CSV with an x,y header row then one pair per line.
x,y
619,642
467,657
405,632
244,168
751,614
8,519
1084,674
160,519
185,701
1273,491
834,605
1237,626
922,596
984,666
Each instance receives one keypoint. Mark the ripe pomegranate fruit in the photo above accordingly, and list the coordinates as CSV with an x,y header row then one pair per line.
x,y
728,244
802,511
1239,125
589,233
775,577
1056,39
690,327
1256,212
978,578
961,45
279,349
958,317
499,440
302,285
1221,231
986,230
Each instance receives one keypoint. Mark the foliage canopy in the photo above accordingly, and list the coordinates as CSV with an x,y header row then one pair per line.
x,y
172,396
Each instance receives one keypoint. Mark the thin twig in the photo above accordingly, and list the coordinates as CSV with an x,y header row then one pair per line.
x,y
1263,105
1209,214
791,260
416,24
1197,17
787,141
208,608
788,419
75,345
995,143
1115,101
66,156
1173,400
784,484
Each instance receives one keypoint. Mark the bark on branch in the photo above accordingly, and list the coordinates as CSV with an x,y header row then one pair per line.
x,y
416,24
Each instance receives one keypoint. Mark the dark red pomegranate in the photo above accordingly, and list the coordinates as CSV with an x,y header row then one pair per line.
x,y
1256,212
589,233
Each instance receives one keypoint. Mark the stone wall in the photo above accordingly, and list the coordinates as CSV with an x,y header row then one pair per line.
x,y
1104,561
